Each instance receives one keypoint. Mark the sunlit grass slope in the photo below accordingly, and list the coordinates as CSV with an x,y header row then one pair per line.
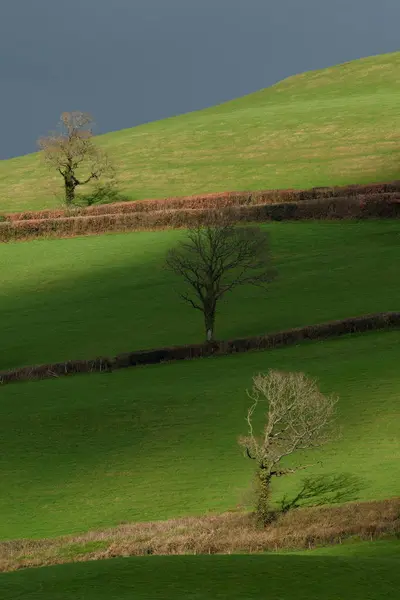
x,y
156,442
334,126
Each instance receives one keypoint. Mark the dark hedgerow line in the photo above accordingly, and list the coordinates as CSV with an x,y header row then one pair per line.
x,y
215,201
382,206
323,331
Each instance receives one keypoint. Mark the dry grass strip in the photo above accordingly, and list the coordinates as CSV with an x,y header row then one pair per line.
x,y
229,533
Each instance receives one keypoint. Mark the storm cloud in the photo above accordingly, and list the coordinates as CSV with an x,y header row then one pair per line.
x,y
133,61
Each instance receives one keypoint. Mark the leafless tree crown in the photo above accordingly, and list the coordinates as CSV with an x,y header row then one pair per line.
x,y
298,417
73,154
217,257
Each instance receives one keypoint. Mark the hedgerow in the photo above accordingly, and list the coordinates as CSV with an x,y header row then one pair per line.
x,y
379,321
215,201
356,207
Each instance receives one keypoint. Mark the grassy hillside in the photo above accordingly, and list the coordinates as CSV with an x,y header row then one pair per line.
x,y
92,451
353,572
85,297
334,126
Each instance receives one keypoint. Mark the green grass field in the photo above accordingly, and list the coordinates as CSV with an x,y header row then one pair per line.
x,y
157,442
93,451
334,126
356,572
85,297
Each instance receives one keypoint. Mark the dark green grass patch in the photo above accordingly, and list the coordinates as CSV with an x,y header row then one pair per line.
x,y
85,297
312,576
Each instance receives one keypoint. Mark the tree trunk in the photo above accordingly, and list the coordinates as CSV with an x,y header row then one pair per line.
x,y
209,322
69,190
263,508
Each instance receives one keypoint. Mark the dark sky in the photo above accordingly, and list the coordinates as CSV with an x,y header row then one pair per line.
x,y
132,61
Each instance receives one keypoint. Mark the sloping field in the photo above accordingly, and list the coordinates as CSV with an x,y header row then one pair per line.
x,y
356,572
88,297
93,451
329,127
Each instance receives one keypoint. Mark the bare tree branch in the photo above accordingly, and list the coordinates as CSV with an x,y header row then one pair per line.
x,y
298,417
72,150
216,258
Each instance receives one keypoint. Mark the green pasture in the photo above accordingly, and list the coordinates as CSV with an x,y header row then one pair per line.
x,y
94,451
370,572
329,127
102,295
155,442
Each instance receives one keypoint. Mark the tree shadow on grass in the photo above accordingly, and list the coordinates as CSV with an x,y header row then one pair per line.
x,y
325,489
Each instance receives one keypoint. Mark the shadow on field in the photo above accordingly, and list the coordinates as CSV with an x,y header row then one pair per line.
x,y
325,489
99,296
63,311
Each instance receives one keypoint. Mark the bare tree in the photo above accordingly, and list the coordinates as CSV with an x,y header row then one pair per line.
x,y
73,154
298,417
216,258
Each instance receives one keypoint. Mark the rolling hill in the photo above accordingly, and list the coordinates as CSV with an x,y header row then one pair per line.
x,y
329,127
94,451
158,442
